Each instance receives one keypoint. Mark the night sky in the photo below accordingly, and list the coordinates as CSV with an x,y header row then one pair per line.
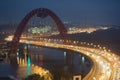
x,y
100,12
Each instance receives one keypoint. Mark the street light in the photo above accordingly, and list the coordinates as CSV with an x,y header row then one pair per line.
x,y
91,44
81,43
94,46
88,44
109,50
104,48
84,42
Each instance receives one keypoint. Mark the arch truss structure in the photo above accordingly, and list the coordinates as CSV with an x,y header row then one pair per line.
x,y
42,13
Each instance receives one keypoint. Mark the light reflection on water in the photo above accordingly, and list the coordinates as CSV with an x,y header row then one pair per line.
x,y
50,59
38,59
47,58
27,64
26,68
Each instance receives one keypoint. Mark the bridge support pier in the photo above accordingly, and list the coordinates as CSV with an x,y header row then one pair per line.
x,y
13,59
69,60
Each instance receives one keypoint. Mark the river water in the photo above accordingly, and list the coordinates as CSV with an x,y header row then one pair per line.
x,y
47,58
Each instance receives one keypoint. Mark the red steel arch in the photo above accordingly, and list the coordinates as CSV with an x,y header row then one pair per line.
x,y
21,26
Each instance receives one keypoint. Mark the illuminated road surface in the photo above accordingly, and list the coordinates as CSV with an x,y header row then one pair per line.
x,y
106,65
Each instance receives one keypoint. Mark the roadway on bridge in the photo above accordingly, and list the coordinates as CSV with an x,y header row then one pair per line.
x,y
106,65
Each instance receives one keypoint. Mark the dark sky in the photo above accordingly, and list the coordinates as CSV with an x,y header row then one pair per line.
x,y
101,12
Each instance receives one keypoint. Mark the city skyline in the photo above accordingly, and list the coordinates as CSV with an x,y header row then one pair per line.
x,y
101,12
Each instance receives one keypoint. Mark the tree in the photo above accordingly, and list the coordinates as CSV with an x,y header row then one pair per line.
x,y
34,77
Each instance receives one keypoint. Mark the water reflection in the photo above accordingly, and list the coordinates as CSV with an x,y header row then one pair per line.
x,y
26,68
40,60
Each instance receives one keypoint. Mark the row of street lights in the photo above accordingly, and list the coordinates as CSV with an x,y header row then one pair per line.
x,y
70,42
